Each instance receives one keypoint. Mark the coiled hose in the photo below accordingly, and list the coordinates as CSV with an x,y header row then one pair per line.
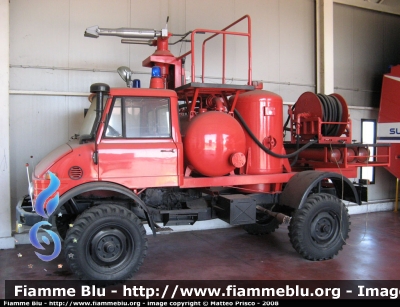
x,y
332,110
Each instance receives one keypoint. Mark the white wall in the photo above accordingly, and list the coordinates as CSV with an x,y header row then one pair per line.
x,y
6,241
48,52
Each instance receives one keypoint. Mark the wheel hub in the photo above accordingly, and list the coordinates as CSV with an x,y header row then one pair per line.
x,y
323,228
108,245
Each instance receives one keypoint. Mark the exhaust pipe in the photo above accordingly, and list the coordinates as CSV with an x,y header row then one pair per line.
x,y
282,218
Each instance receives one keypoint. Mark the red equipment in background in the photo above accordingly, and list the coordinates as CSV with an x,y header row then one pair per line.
x,y
389,118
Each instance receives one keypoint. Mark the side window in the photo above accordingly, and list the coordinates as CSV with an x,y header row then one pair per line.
x,y
114,128
162,120
133,122
140,117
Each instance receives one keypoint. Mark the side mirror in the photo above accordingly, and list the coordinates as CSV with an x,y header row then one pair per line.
x,y
126,74
85,137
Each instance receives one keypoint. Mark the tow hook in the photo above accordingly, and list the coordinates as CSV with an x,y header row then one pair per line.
x,y
282,218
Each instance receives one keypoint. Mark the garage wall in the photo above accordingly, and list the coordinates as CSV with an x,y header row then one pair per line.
x,y
52,64
366,43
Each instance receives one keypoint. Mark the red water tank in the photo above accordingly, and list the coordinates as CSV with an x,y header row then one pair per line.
x,y
214,143
263,113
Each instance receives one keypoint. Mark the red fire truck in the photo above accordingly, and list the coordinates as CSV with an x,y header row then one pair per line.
x,y
185,151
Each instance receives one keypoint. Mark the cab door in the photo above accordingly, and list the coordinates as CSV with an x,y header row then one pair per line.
x,y
137,149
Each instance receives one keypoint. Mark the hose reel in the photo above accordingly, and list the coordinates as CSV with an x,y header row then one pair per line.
x,y
332,112
330,109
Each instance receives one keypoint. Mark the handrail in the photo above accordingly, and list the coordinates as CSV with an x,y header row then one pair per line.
x,y
224,32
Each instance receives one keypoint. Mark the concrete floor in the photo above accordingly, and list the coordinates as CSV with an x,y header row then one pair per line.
x,y
372,253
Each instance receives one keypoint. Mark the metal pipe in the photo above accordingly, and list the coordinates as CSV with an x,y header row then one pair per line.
x,y
282,218
95,31
138,41
178,58
47,93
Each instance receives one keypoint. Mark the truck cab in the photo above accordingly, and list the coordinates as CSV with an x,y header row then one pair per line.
x,y
136,143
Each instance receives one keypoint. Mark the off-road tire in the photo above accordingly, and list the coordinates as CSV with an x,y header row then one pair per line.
x,y
62,224
106,243
320,228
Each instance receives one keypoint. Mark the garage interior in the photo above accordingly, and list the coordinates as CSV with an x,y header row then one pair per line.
x,y
322,46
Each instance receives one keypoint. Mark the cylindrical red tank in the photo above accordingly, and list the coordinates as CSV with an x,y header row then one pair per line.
x,y
263,113
351,155
363,155
214,143
318,154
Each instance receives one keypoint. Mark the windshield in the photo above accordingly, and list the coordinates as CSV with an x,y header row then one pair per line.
x,y
90,117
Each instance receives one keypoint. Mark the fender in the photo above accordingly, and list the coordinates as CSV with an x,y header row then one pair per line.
x,y
301,185
108,186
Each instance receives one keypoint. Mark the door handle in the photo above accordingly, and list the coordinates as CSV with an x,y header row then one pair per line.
x,y
167,150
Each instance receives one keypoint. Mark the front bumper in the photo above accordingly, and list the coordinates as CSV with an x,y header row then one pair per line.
x,y
25,214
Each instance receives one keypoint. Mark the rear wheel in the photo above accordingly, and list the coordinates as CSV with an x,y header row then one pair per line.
x,y
320,228
106,242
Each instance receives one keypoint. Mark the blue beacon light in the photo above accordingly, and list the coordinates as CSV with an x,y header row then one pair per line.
x,y
156,72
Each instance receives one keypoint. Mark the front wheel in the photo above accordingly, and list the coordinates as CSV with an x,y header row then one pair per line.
x,y
320,228
106,242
